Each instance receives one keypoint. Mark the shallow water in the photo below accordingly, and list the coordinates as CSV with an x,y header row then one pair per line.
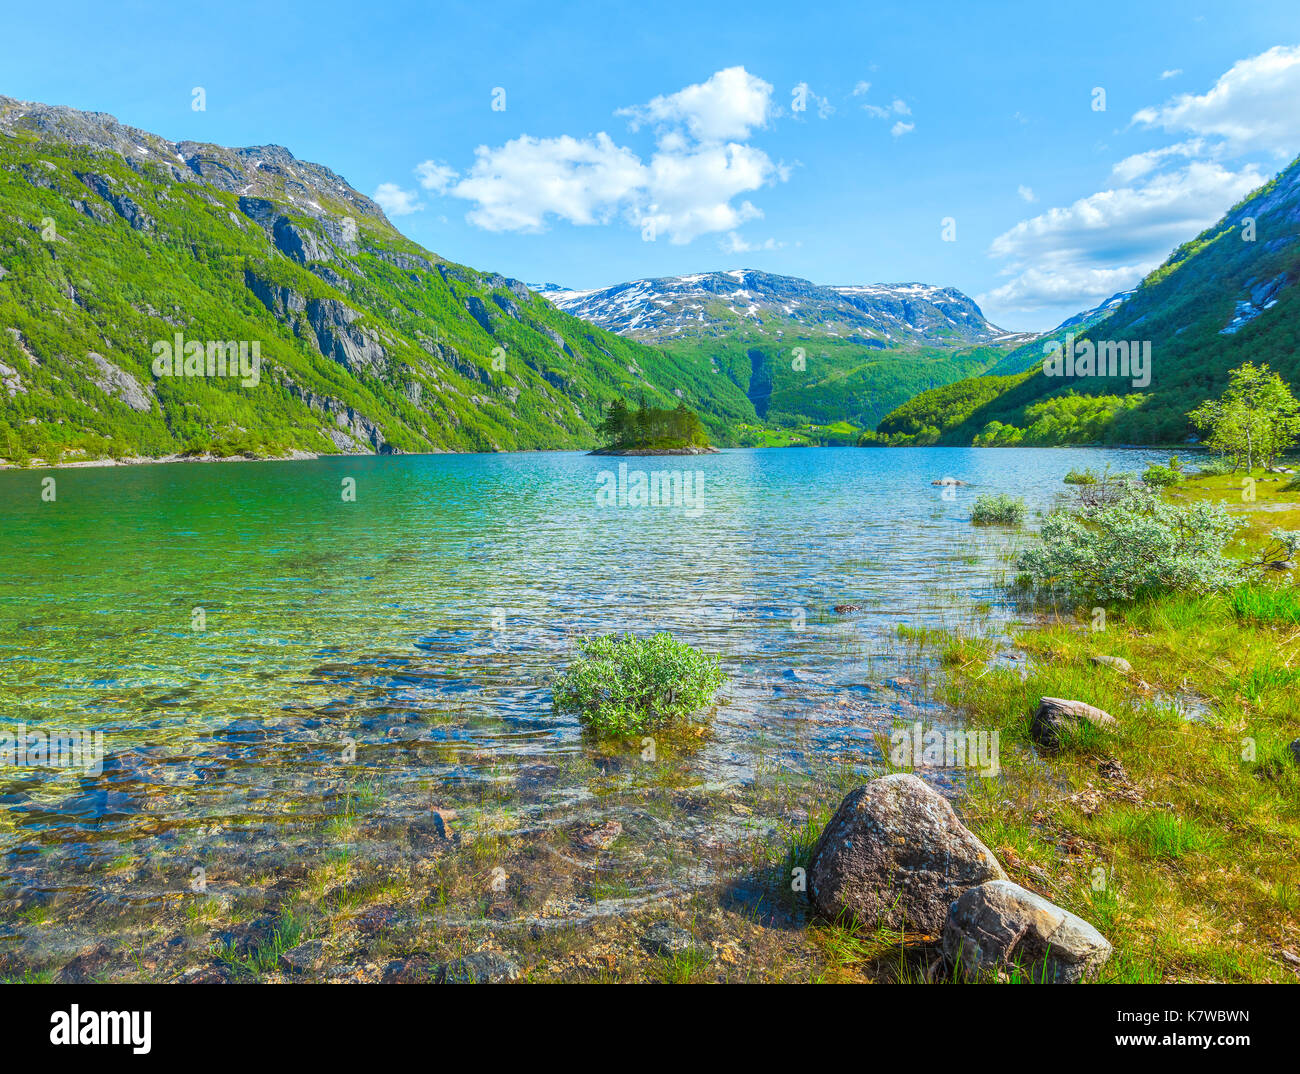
x,y
362,664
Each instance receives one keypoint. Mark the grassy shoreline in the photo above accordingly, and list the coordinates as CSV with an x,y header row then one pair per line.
x,y
1176,834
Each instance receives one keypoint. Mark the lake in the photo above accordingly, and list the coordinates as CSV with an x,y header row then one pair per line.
x,y
327,677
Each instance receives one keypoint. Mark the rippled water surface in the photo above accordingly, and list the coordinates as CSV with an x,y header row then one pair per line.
x,y
371,680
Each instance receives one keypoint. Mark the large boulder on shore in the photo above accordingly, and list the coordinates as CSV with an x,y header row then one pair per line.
x,y
895,856
1056,716
1000,924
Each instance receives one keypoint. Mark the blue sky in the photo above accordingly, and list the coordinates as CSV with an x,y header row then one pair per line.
x,y
668,138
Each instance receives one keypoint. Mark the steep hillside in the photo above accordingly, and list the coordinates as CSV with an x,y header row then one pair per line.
x,y
1226,297
116,244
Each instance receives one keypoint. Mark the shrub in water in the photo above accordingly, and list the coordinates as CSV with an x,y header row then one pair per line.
x,y
1133,547
1158,476
999,510
1081,477
623,685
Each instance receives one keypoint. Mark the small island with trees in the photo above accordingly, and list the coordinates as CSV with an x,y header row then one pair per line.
x,y
648,431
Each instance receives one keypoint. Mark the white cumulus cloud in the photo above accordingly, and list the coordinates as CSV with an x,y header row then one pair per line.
x,y
395,201
1255,105
1077,255
726,107
692,183
1107,241
435,177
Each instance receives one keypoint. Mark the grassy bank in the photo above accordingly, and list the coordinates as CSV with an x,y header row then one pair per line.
x,y
1175,835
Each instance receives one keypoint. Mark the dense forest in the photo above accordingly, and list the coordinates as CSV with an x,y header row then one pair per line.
x,y
648,427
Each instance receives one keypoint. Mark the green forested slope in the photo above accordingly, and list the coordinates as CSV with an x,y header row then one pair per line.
x,y
112,240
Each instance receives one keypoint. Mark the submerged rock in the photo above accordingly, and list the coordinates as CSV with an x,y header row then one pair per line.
x,y
895,855
598,837
87,967
482,967
305,957
413,970
1056,715
664,939
213,974
1000,924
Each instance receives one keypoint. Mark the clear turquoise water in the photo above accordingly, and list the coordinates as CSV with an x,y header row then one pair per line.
x,y
424,622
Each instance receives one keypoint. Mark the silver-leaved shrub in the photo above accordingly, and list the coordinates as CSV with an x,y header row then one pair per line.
x,y
1135,546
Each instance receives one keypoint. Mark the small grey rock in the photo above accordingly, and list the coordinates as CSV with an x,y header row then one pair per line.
x,y
998,925
665,940
1056,715
1117,662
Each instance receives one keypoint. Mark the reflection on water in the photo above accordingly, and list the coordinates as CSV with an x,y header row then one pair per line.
x,y
283,677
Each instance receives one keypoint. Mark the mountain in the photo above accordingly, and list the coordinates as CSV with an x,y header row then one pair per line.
x,y
1226,297
1030,355
118,246
710,304
817,360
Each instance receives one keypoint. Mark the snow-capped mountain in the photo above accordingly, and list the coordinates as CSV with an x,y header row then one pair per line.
x,y
1030,354
716,303
1088,318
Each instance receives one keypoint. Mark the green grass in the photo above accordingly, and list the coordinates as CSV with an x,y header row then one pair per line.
x,y
264,958
1186,864
1266,604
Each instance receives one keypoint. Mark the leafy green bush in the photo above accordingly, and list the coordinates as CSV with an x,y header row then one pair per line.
x,y
1133,547
1081,477
998,510
623,685
1159,477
